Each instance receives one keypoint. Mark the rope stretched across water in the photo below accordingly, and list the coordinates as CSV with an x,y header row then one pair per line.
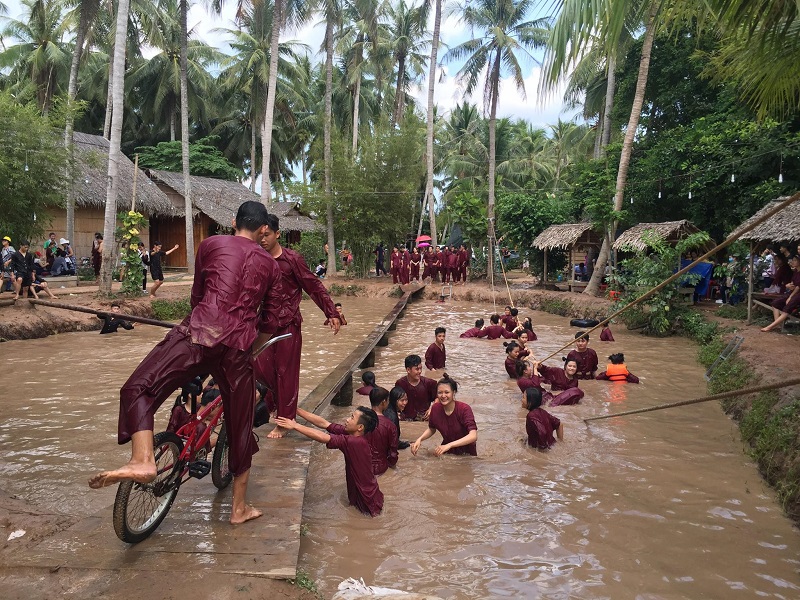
x,y
722,396
731,238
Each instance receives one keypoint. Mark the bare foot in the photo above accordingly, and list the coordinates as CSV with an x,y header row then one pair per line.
x,y
151,296
767,328
247,514
139,472
276,433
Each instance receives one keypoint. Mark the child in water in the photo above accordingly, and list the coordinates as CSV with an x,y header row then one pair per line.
x,y
512,356
584,357
539,423
617,371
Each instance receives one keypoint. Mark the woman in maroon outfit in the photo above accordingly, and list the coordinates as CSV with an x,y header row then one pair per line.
x,y
406,268
427,259
540,424
395,264
783,307
473,331
560,380
415,259
512,355
453,419
526,377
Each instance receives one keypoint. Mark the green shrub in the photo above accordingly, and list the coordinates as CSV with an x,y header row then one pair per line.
x,y
171,310
397,292
738,312
694,326
86,273
556,306
345,290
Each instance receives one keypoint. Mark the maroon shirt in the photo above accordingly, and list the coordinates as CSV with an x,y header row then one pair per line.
x,y
540,426
382,442
406,258
605,335
435,357
463,258
557,379
471,332
587,363
234,279
297,278
511,367
444,258
364,390
362,486
420,396
454,426
494,332
396,260
528,382
453,260
429,258
782,277
509,322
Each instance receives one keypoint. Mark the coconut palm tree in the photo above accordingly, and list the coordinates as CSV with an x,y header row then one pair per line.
x,y
407,27
506,34
427,199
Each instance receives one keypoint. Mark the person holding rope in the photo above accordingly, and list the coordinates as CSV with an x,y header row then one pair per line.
x,y
560,380
236,301
584,357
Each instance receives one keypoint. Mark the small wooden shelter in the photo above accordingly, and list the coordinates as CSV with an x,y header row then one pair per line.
x,y
670,231
215,202
578,238
782,226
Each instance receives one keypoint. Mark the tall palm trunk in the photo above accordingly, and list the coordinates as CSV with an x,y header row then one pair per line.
x,y
114,151
269,110
253,157
598,136
88,8
110,95
428,199
609,105
187,180
495,84
327,142
357,92
399,93
593,288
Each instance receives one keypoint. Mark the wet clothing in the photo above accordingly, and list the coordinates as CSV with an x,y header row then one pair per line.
x,y
156,272
606,336
435,357
471,332
279,365
511,367
236,293
111,324
364,390
587,363
531,335
528,382
420,397
509,322
362,486
617,373
391,414
540,426
454,426
494,332
557,378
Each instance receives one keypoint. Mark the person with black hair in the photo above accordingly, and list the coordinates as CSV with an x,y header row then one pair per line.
x,y
156,272
527,326
585,357
473,331
236,301
512,356
397,403
495,330
526,378
321,269
560,380
22,269
436,355
453,420
279,365
421,390
112,324
606,335
362,485
340,311
540,424
511,320
368,379
617,370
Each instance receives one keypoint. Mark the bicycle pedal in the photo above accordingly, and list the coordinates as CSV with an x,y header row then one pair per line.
x,y
199,469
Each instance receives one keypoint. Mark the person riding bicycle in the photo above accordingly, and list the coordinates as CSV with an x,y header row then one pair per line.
x,y
234,279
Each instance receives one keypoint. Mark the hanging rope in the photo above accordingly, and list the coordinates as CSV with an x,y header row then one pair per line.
x,y
722,396
502,266
731,238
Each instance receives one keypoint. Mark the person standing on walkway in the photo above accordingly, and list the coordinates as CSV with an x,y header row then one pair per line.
x,y
380,255
236,300
279,368
156,273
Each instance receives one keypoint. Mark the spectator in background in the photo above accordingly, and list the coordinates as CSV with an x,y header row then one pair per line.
x,y
97,253
50,248
156,274
5,256
145,256
321,269
22,268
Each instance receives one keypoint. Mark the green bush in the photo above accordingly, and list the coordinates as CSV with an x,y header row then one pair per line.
x,y
171,310
738,312
694,326
556,306
312,247
86,273
345,290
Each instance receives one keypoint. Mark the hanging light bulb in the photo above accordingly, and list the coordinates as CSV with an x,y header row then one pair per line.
x,y
780,177
659,194
26,161
780,171
34,217
733,177
631,199
690,194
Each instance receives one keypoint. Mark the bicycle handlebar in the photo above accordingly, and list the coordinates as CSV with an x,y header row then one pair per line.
x,y
271,341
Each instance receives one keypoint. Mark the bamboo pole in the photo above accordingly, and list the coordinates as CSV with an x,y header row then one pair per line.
x,y
102,313
750,286
730,239
135,173
722,396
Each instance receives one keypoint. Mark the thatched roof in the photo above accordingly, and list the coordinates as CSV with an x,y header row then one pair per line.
x,y
560,236
220,199
671,231
783,226
91,156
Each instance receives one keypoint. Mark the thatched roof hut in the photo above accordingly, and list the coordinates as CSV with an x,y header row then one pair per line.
x,y
670,231
91,155
561,236
783,226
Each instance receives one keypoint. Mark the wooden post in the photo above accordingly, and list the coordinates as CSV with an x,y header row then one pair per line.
x,y
135,172
545,267
750,287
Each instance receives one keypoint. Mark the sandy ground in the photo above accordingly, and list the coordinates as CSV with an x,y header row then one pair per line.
x,y
773,355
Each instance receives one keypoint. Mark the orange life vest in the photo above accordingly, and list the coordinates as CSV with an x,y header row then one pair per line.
x,y
617,372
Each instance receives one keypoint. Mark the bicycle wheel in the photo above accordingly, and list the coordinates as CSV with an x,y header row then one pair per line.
x,y
139,508
220,471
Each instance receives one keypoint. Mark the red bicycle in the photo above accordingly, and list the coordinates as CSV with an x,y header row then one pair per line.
x,y
139,508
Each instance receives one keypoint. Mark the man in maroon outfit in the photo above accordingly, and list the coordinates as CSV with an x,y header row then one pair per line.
x,y
584,357
395,264
436,355
463,263
454,268
421,391
444,264
473,331
495,330
279,368
234,279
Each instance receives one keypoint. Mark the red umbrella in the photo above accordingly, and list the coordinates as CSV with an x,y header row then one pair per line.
x,y
424,238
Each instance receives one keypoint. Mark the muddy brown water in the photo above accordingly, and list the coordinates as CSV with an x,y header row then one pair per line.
x,y
662,505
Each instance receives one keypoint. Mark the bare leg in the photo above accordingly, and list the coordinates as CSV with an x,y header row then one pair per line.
x,y
141,468
156,285
241,511
776,323
17,287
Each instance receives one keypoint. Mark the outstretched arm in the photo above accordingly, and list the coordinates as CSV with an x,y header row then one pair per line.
x,y
309,432
470,438
315,420
171,250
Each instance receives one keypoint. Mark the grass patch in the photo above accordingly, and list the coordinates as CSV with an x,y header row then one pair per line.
x,y
397,292
171,310
346,290
556,306
737,313
303,580
85,273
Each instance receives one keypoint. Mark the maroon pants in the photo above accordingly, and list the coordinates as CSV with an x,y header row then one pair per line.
x,y
395,278
570,396
172,363
784,305
279,368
